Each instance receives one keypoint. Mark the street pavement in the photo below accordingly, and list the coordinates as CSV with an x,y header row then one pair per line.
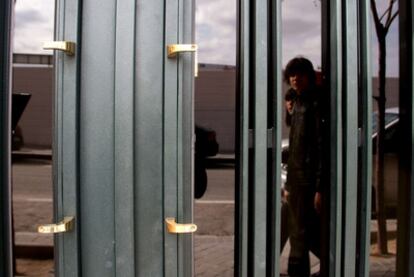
x,y
214,215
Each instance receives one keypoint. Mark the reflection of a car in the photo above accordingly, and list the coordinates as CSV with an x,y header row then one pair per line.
x,y
391,145
391,158
205,146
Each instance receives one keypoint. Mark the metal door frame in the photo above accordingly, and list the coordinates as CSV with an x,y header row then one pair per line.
x,y
65,146
6,232
347,74
405,244
132,176
338,50
258,138
179,136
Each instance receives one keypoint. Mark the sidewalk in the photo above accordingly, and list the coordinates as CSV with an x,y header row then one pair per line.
x,y
213,257
213,251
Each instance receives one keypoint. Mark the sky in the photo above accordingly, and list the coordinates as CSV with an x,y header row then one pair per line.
x,y
215,31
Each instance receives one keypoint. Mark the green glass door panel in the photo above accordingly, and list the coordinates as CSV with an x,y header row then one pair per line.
x,y
341,66
123,138
149,138
258,140
96,139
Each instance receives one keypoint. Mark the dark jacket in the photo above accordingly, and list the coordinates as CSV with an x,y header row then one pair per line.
x,y
305,153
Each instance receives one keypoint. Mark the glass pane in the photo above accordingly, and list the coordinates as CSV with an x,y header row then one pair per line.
x,y
301,92
214,111
32,104
385,166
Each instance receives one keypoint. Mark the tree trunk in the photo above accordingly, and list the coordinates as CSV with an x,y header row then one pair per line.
x,y
380,205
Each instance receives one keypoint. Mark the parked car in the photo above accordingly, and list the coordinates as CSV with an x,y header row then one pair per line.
x,y
391,159
205,146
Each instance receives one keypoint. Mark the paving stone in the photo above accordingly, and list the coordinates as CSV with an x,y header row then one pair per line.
x,y
214,254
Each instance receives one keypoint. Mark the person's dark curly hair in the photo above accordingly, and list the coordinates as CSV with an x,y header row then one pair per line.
x,y
300,65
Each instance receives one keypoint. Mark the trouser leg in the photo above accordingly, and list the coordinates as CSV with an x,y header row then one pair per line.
x,y
284,230
300,208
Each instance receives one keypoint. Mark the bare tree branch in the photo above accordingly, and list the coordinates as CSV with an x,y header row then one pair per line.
x,y
386,12
391,5
391,20
377,21
389,11
374,10
382,30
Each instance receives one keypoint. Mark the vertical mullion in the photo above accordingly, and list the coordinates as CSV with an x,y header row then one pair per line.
x,y
260,138
405,247
149,152
365,77
275,52
96,156
180,137
185,134
242,170
350,140
170,125
6,256
66,139
124,139
332,61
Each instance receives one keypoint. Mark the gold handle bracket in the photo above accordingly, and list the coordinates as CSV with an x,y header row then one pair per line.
x,y
176,228
174,49
64,226
66,46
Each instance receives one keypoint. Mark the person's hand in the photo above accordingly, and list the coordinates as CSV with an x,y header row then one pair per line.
x,y
289,106
285,195
318,202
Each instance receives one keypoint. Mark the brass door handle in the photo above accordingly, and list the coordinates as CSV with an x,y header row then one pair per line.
x,y
64,226
176,228
66,46
174,49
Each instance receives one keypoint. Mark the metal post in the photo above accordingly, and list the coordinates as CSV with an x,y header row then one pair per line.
x,y
365,91
242,141
275,108
332,70
350,134
259,88
6,253
405,244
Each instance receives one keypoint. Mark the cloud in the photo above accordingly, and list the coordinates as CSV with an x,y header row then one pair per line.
x,y
215,31
33,25
301,31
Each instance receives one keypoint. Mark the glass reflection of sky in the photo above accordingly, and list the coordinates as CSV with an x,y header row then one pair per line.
x,y
216,30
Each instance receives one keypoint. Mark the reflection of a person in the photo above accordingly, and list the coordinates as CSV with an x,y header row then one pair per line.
x,y
302,190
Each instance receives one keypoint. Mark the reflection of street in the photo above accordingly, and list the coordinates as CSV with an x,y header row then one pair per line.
x,y
214,212
220,184
32,194
32,205
214,215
